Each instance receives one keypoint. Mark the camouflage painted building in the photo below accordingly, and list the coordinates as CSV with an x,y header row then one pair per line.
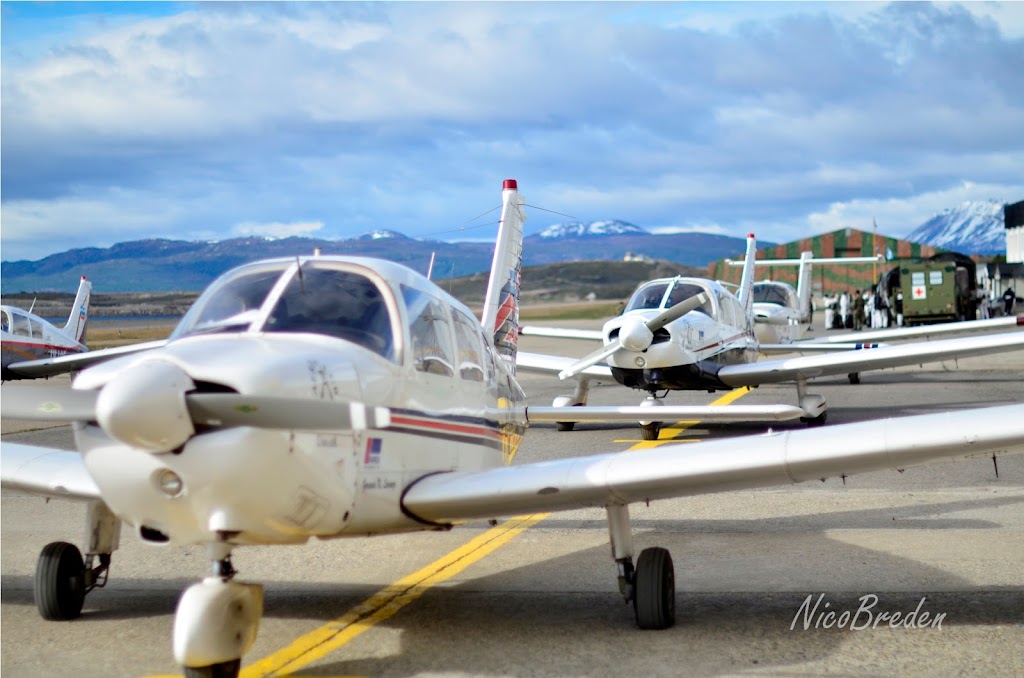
x,y
830,278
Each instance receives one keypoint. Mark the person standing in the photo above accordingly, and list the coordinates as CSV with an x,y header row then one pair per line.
x,y
844,309
899,308
1009,297
858,310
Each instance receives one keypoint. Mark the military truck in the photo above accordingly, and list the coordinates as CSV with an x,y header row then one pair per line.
x,y
939,289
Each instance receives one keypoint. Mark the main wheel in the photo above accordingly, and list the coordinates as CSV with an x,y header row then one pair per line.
x,y
227,669
815,421
854,377
654,601
565,425
59,584
650,431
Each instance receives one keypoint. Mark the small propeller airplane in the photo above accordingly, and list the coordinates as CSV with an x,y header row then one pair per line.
x,y
694,334
25,337
327,397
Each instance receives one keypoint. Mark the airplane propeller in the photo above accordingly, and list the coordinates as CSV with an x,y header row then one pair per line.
x,y
151,407
635,334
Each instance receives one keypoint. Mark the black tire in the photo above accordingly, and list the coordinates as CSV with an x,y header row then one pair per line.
x,y
59,585
654,601
565,425
221,670
815,421
854,377
650,431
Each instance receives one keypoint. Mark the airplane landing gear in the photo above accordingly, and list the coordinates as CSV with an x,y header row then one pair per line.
x,y
577,399
650,585
217,620
813,405
63,577
649,430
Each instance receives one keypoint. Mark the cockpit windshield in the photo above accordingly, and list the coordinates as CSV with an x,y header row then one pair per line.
x,y
770,293
317,298
652,295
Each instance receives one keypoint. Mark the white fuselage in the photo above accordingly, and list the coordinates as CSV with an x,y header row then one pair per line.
x,y
453,407
26,336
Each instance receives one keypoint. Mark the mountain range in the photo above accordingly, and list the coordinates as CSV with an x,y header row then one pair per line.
x,y
176,265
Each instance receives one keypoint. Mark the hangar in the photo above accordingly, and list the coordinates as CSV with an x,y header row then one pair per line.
x,y
831,278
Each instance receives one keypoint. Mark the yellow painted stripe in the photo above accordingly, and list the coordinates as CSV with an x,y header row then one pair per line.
x,y
673,433
386,602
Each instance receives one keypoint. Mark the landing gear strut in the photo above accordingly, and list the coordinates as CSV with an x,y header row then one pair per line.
x,y
651,585
63,577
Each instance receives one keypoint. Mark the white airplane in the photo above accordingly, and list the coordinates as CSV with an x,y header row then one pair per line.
x,y
25,337
694,334
332,397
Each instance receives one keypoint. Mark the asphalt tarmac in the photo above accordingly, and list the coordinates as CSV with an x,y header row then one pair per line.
x,y
945,539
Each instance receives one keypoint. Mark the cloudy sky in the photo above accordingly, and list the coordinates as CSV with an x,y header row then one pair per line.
x,y
204,120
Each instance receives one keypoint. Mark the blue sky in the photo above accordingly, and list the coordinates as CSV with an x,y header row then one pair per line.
x,y
122,121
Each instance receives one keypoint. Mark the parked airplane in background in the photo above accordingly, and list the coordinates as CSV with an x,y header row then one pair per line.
x,y
694,334
25,336
345,396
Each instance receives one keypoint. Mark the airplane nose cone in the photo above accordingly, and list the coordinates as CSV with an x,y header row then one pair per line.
x,y
635,335
145,407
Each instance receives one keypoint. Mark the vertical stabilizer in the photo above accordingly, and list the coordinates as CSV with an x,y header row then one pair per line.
x,y
79,312
501,304
803,286
746,295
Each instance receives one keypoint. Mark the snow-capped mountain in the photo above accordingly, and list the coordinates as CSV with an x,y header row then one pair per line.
x,y
576,229
971,228
383,234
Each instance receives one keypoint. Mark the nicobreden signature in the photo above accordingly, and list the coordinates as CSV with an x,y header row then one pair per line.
x,y
818,616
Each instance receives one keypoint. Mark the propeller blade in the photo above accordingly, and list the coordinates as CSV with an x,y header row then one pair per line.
x,y
49,403
231,409
677,311
591,359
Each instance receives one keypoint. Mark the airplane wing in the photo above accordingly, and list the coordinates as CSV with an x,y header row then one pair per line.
x,y
553,364
921,331
45,471
48,367
707,414
847,362
561,333
687,469
822,347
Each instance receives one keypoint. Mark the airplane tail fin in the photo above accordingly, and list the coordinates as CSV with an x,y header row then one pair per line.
x,y
79,312
501,304
746,293
803,285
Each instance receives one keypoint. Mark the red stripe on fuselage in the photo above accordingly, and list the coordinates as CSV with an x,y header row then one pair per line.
x,y
445,426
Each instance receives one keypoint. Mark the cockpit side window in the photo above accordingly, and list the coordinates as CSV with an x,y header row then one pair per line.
x,y
20,325
647,297
429,332
336,303
467,341
6,319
